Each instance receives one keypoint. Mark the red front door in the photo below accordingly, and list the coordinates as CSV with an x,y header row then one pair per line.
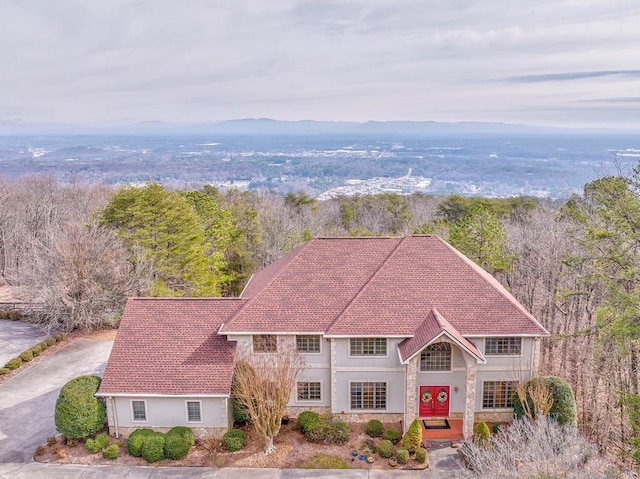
x,y
434,401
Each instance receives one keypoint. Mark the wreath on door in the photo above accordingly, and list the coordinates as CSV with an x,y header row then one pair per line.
x,y
426,397
442,396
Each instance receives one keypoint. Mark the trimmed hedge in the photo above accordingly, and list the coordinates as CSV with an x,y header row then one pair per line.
x,y
136,439
14,363
385,448
392,435
234,440
79,414
403,455
421,455
178,442
153,447
111,452
374,428
307,419
563,409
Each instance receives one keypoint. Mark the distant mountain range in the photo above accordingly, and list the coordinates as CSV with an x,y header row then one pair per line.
x,y
266,126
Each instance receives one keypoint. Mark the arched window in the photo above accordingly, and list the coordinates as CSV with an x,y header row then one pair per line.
x,y
436,357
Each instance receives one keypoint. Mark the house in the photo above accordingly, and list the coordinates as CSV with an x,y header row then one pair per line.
x,y
391,328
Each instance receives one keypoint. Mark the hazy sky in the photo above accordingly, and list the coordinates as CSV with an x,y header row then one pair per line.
x,y
545,62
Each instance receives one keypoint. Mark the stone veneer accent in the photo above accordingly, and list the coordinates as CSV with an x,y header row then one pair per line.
x,y
470,396
411,400
384,417
501,416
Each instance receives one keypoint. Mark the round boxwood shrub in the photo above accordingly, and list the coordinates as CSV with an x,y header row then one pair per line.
x,y
403,455
4,371
14,363
36,350
178,441
26,356
111,452
385,448
51,341
307,419
563,409
79,413
153,447
98,444
136,439
421,455
392,435
234,440
374,428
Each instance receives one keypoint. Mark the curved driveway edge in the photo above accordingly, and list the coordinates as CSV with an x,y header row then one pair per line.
x,y
27,400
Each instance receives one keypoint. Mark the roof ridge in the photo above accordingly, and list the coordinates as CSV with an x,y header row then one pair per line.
x,y
366,283
493,282
250,301
183,298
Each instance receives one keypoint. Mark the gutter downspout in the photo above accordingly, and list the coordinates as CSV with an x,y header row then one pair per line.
x,y
115,416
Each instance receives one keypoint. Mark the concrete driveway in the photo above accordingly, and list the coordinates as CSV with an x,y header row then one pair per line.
x,y
27,401
16,337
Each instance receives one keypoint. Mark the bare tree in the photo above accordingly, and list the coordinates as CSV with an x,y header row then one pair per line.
x,y
263,383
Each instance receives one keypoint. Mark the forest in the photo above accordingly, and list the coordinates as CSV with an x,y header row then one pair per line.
x,y
575,264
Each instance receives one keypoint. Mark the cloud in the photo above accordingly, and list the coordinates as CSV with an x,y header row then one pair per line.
x,y
569,76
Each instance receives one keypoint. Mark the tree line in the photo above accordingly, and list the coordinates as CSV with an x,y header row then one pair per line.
x,y
574,264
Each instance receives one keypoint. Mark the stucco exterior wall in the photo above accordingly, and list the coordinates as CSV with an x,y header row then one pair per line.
x,y
164,413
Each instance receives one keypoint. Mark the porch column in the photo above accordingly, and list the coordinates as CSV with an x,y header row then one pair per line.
x,y
471,368
411,403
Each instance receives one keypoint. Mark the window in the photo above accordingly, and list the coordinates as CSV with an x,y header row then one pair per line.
x,y
309,391
193,411
497,394
308,344
436,357
368,347
139,409
503,346
265,343
368,395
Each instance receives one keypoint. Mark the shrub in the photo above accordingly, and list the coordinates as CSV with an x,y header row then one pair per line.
x,y
403,455
178,442
234,440
563,409
481,434
153,447
111,452
327,430
136,439
51,440
4,371
60,337
374,428
36,350
42,345
26,356
497,427
392,435
326,461
412,440
51,341
102,440
306,419
240,412
385,448
14,363
421,455
78,412
91,445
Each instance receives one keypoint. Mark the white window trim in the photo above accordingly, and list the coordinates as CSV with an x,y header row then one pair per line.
x,y
265,352
309,353
310,401
427,371
484,348
146,411
494,409
374,410
369,356
186,410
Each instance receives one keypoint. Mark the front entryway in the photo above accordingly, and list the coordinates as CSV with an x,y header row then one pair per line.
x,y
434,401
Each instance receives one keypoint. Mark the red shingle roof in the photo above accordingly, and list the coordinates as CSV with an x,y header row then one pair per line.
x,y
378,287
170,346
434,326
